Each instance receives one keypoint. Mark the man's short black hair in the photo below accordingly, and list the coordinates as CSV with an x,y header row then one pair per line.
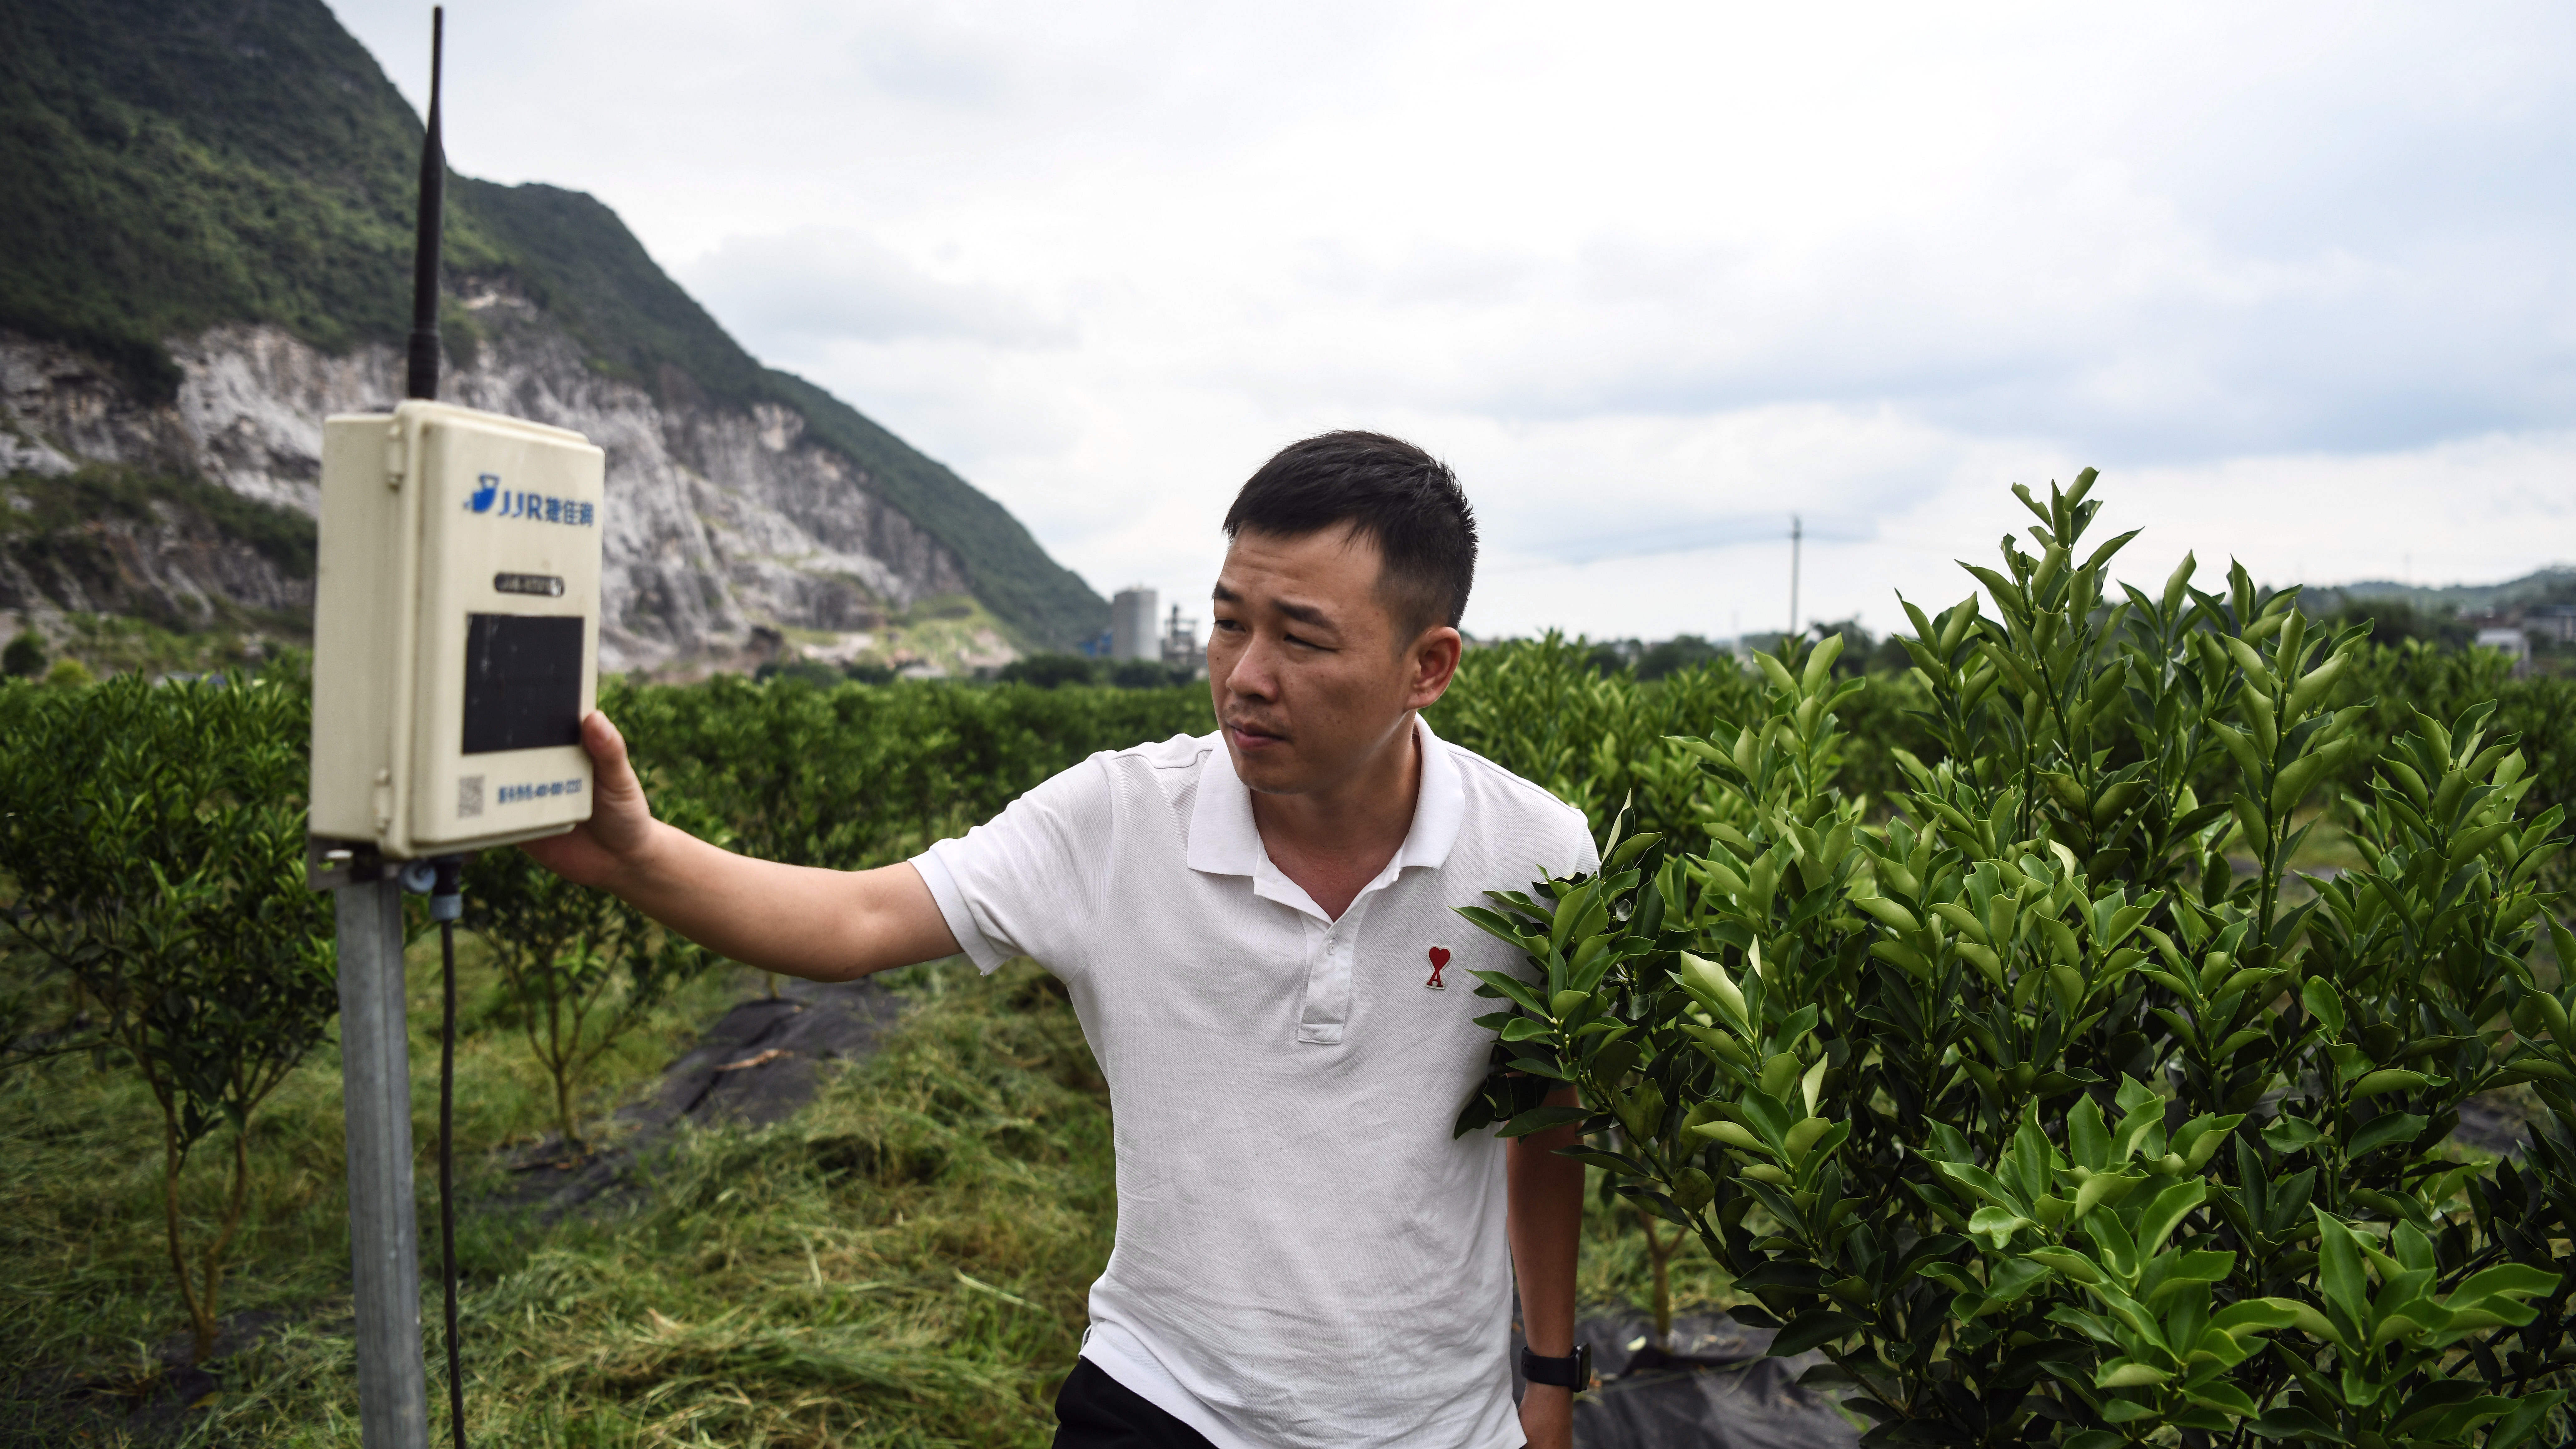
x,y
1390,491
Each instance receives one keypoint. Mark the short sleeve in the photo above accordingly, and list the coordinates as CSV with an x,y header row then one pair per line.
x,y
1587,856
1029,881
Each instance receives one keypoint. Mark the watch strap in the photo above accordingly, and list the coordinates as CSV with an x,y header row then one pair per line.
x,y
1573,1371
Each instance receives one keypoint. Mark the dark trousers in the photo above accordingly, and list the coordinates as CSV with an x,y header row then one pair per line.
x,y
1095,1411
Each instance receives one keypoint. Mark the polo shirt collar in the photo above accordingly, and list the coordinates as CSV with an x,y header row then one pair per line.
x,y
1225,841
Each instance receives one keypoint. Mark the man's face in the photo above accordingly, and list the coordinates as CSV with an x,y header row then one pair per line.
x,y
1309,677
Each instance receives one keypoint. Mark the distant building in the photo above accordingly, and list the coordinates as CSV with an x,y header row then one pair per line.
x,y
2555,621
1131,625
2513,642
1181,644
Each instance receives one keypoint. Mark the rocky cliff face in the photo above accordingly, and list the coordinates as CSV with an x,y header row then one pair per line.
x,y
725,525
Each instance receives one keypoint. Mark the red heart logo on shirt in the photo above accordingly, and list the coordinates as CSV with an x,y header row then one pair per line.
x,y
1439,957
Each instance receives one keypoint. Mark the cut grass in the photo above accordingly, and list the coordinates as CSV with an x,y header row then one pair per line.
x,y
903,1263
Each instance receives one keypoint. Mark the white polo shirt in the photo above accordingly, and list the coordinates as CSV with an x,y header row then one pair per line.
x,y
1305,1257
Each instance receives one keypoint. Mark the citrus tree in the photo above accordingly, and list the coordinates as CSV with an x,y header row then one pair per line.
x,y
154,835
2058,1105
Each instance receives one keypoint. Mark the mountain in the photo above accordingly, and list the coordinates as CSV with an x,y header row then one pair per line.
x,y
2555,585
205,246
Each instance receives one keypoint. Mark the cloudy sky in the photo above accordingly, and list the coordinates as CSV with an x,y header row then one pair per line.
x,y
2300,279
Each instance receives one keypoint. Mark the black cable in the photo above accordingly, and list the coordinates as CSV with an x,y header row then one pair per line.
x,y
444,905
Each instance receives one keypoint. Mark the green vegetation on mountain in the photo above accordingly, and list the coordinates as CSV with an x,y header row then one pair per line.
x,y
54,512
175,164
2553,585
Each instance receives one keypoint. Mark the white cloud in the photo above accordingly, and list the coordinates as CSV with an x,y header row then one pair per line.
x,y
835,285
1655,277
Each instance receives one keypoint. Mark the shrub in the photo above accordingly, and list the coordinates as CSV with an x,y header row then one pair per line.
x,y
809,671
25,656
856,775
579,968
1146,674
155,835
1048,671
1541,709
2029,1109
1682,651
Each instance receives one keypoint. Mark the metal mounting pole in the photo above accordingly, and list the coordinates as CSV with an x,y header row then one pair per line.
x,y
384,1230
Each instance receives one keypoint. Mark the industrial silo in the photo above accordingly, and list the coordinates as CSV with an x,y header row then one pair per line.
x,y
1132,631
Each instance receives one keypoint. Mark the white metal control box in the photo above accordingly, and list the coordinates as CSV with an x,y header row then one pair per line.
x,y
455,629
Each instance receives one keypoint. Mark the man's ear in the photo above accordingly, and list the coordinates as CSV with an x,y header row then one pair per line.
x,y
1433,659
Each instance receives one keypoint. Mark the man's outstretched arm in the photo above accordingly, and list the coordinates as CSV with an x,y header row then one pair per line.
x,y
826,925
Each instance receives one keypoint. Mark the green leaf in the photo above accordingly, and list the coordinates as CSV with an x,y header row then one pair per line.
x,y
1813,1329
2388,1128
2069,1262
1628,851
2388,1079
2507,1280
2125,1373
1522,1028
1784,1273
2255,1315
1997,1226
2104,1187
1889,913
1540,1119
2529,1413
2322,1003
2166,1211
2226,1398
2286,1134
1513,987
2339,1268
1820,664
2296,1425
2087,1140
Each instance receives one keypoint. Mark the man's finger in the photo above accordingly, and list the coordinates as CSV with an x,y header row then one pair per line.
x,y
607,749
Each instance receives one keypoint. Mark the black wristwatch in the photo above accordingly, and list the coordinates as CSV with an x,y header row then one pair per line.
x,y
1574,1371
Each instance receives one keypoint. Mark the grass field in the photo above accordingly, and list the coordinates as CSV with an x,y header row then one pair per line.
x,y
903,1262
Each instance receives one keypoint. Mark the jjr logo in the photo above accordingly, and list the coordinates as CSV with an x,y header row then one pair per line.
x,y
513,794
1439,963
536,507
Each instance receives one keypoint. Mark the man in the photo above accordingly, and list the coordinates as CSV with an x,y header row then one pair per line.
x,y
1258,931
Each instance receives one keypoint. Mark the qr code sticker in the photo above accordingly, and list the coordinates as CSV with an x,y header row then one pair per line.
x,y
469,796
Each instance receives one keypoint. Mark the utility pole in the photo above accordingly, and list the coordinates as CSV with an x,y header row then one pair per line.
x,y
1795,533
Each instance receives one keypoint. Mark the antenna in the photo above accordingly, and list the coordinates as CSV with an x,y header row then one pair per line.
x,y
423,381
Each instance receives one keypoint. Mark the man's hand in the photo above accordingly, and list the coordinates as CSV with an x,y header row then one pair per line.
x,y
1547,1416
825,925
611,845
